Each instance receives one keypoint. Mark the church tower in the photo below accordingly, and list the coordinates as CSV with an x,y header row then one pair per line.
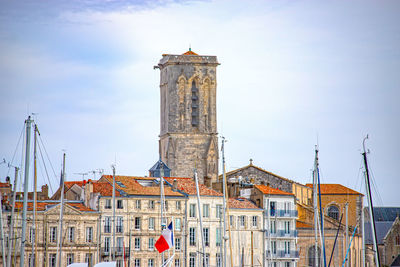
x,y
188,133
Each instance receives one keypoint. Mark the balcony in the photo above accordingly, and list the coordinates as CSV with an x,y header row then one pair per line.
x,y
119,251
281,234
284,213
281,254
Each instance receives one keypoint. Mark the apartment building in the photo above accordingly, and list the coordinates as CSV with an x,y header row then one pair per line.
x,y
279,220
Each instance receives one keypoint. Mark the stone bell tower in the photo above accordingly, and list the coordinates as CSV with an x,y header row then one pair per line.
x,y
188,133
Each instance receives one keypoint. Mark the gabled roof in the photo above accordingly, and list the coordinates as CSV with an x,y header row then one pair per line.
x,y
267,190
251,165
381,230
335,189
190,53
396,262
188,186
42,206
129,185
241,203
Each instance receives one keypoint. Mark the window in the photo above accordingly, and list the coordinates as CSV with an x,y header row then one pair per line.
x,y
119,204
397,240
151,223
137,223
52,260
119,263
138,204
207,258
231,220
108,204
177,263
120,224
218,238
70,258
287,227
192,236
312,258
150,263
242,221
219,212
206,210
206,235
151,204
287,264
89,259
192,259
273,247
273,227
53,235
178,205
137,243
192,210
137,262
272,206
120,244
219,260
287,247
151,243
195,105
71,234
107,244
89,234
178,224
166,205
333,212
177,244
107,224
31,260
254,221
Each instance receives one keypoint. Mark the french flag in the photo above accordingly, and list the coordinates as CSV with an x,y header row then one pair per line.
x,y
166,239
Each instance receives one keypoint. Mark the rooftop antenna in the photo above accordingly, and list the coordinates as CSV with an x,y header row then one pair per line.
x,y
83,174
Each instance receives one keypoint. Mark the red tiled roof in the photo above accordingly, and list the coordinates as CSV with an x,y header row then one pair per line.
x,y
105,189
335,189
41,206
271,191
241,203
188,186
190,53
5,185
133,187
300,224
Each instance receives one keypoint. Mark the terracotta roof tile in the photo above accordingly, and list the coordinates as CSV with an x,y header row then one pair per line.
x,y
188,186
335,189
42,206
131,186
190,53
271,191
5,185
241,203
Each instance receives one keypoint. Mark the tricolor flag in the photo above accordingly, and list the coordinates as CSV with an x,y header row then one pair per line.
x,y
166,239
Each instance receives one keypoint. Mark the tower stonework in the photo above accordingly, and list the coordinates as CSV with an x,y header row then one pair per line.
x,y
188,130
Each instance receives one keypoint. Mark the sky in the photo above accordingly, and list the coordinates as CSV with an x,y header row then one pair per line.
x,y
293,75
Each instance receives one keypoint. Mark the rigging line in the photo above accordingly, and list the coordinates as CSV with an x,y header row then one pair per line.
x,y
15,151
47,174
51,165
359,177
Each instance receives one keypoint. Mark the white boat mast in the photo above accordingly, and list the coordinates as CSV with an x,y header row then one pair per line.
x,y
60,224
11,230
315,202
196,180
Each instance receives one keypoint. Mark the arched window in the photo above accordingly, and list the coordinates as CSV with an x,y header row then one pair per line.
x,y
312,258
195,105
333,212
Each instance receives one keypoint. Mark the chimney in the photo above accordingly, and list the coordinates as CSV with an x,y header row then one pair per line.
x,y
175,185
8,179
45,191
263,182
88,190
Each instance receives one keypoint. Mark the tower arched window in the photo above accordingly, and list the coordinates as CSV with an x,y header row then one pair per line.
x,y
333,212
195,105
312,258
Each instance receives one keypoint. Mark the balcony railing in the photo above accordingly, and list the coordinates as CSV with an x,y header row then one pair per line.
x,y
281,254
284,213
281,233
119,251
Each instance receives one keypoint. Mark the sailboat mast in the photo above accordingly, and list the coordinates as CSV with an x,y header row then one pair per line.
x,y
371,207
224,199
26,183
3,249
320,209
113,222
60,224
33,258
363,237
200,218
11,230
316,257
